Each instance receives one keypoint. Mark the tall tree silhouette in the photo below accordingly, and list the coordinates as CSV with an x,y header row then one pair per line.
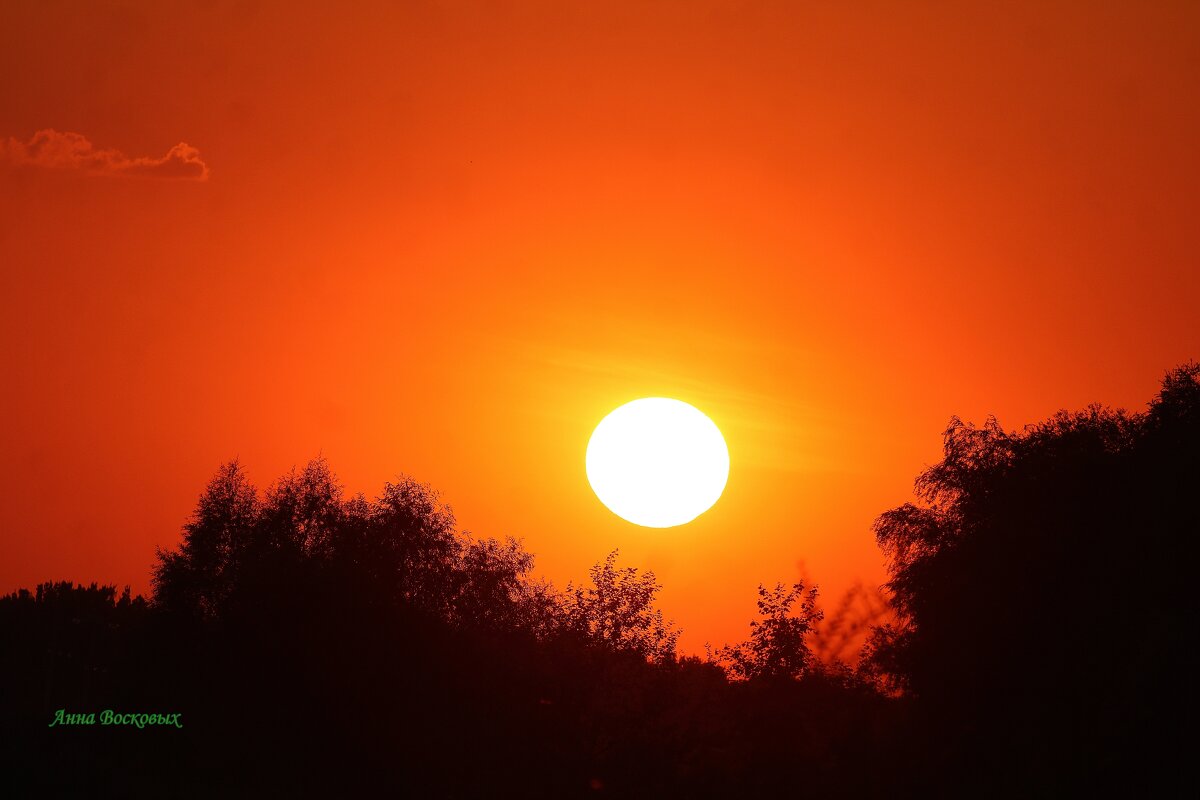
x,y
242,552
199,576
1044,587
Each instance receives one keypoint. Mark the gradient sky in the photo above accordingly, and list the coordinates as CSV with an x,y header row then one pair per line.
x,y
447,238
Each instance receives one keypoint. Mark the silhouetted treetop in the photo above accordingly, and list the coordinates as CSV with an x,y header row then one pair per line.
x,y
71,600
1179,399
402,548
1044,582
778,646
984,469
199,576
617,610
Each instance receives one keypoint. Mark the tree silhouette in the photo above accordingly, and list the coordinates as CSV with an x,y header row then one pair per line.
x,y
777,647
617,610
241,551
199,577
1043,590
1042,642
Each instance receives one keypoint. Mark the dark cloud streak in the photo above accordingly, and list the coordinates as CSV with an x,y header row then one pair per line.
x,y
51,149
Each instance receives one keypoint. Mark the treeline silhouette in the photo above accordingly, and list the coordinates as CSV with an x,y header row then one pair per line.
x,y
1039,639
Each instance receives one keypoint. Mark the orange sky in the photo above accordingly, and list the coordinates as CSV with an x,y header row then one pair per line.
x,y
447,238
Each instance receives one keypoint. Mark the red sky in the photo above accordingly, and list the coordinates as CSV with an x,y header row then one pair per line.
x,y
446,238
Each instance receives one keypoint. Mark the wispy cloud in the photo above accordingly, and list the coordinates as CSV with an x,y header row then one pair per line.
x,y
51,149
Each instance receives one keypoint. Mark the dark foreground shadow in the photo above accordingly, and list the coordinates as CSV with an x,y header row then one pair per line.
x,y
1041,641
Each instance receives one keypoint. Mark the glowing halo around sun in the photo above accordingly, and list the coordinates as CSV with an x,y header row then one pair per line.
x,y
657,462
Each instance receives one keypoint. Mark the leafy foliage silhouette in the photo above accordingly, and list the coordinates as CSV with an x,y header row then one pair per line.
x,y
778,645
240,552
1040,640
617,611
1044,591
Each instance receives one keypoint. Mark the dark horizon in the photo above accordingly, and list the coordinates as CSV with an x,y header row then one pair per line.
x,y
1038,638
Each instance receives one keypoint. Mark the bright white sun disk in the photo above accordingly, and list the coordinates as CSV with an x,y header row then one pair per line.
x,y
657,462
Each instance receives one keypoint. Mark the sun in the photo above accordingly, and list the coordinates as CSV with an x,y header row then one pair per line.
x,y
657,462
